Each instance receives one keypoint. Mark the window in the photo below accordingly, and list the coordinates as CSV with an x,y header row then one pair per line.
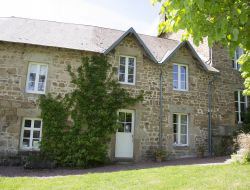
x,y
125,121
36,79
238,52
127,70
240,106
180,77
31,133
180,128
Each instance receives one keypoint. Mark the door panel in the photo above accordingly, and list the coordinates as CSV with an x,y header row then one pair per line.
x,y
124,135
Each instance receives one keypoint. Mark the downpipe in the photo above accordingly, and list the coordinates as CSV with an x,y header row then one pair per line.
x,y
161,111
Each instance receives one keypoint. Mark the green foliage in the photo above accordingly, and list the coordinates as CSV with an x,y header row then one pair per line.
x,y
226,22
77,128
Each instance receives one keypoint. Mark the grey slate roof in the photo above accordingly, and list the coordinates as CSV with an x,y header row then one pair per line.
x,y
80,37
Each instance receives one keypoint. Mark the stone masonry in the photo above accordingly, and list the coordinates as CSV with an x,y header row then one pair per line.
x,y
15,103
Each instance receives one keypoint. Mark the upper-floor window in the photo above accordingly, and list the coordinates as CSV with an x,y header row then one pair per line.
x,y
31,133
180,129
180,77
240,105
36,79
127,70
238,52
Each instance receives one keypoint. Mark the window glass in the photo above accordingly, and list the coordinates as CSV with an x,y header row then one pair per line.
x,y
31,133
36,78
179,77
240,102
180,129
127,70
125,121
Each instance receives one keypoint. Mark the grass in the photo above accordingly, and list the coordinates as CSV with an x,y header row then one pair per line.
x,y
172,177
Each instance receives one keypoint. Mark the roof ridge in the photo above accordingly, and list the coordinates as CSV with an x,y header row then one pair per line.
x,y
60,22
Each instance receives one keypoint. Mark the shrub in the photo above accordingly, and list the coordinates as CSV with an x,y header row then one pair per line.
x,y
77,128
244,145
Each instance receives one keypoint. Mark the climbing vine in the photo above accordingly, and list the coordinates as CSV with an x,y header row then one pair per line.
x,y
77,127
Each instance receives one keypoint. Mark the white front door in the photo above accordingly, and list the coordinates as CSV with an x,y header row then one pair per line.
x,y
124,134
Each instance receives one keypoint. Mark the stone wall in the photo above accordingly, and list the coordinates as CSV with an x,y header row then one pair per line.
x,y
16,103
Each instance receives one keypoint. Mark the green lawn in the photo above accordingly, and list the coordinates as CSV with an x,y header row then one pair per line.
x,y
171,177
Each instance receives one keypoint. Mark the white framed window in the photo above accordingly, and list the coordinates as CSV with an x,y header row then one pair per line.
x,y
180,77
241,105
238,52
36,78
31,133
180,129
127,67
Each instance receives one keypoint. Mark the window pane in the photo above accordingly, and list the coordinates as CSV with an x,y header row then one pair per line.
x,y
37,123
41,86
122,69
122,117
183,70
183,86
26,142
35,143
183,139
236,117
32,77
122,77
183,77
175,68
36,134
183,119
33,68
131,62
128,127
26,133
175,84
242,107
130,78
27,123
184,129
122,60
43,70
31,86
121,127
174,118
175,128
175,139
236,106
131,70
129,117
175,76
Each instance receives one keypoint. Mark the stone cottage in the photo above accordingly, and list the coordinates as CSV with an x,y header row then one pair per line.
x,y
189,95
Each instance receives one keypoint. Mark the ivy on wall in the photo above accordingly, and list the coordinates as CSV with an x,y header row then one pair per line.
x,y
77,128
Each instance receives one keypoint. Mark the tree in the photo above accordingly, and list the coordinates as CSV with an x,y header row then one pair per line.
x,y
77,128
223,21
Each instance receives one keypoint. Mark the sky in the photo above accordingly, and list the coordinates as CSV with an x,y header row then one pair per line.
x,y
116,14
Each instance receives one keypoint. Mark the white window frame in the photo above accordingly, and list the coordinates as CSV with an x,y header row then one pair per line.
x,y
239,92
236,65
126,70
133,119
35,91
31,129
179,129
179,77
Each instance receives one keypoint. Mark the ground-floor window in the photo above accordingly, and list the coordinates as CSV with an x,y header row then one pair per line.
x,y
180,127
240,106
31,133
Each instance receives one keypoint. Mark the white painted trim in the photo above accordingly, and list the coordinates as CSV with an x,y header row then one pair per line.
x,y
239,92
179,128
31,129
37,78
179,77
126,70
